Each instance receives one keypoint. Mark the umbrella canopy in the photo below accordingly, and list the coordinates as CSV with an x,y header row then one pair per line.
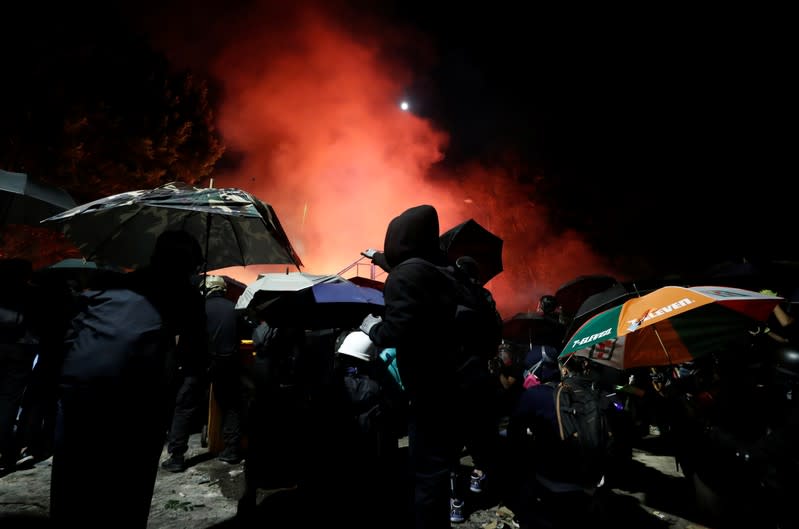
x,y
26,201
86,274
599,302
234,227
268,287
573,293
74,264
670,325
533,328
471,239
779,275
310,302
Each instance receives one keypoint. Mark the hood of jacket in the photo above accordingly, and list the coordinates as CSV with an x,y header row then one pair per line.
x,y
413,233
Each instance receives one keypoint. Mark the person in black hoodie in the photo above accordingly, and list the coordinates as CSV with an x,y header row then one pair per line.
x,y
419,321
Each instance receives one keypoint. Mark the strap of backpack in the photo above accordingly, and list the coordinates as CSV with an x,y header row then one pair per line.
x,y
557,412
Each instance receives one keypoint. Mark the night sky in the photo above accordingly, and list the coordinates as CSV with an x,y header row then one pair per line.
x,y
623,142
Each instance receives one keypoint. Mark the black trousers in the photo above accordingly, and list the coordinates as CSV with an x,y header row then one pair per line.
x,y
229,393
433,444
107,445
39,404
190,399
16,362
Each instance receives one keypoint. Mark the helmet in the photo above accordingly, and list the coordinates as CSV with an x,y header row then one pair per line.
x,y
214,284
507,357
548,304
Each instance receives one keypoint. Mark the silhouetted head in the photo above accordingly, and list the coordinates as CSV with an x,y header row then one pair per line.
x,y
176,253
548,304
413,233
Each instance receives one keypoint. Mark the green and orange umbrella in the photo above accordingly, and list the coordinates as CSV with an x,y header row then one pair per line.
x,y
671,325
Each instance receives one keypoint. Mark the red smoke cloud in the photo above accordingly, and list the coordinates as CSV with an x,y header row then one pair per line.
x,y
314,109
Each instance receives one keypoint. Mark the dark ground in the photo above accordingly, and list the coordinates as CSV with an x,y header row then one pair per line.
x,y
649,492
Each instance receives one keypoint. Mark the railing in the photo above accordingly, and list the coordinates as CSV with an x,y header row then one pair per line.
x,y
375,272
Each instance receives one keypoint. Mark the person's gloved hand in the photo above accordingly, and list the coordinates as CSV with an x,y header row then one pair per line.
x,y
368,322
378,258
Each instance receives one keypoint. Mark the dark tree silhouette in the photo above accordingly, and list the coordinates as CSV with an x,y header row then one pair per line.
x,y
89,106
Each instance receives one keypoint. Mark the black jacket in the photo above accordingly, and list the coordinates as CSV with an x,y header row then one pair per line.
x,y
222,325
419,307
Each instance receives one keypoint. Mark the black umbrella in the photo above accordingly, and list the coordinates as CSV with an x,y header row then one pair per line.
x,y
471,239
87,274
572,294
533,328
23,200
754,275
599,302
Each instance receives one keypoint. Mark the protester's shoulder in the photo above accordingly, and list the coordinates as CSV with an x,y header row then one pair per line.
x,y
540,392
418,268
220,303
415,263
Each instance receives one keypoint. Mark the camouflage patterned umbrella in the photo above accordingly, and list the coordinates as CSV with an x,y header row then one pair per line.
x,y
234,227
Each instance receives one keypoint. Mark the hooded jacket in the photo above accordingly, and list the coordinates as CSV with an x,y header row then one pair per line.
x,y
420,305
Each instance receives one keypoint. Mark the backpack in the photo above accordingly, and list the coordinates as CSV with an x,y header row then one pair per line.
x,y
376,400
478,324
581,413
284,347
118,338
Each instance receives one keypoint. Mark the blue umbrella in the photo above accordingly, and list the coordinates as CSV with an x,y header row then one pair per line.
x,y
346,292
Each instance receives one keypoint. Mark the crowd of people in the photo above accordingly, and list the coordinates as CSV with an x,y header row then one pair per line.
x,y
125,365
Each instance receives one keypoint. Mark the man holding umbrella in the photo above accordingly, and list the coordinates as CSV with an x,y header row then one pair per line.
x,y
114,396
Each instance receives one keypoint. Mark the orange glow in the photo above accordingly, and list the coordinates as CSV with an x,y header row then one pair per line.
x,y
314,111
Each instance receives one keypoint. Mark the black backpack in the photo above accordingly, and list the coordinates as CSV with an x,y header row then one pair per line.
x,y
478,324
581,412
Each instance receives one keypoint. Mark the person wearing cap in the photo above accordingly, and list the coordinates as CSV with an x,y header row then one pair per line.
x,y
191,397
223,333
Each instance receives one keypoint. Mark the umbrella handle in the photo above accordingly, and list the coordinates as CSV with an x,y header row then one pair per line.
x,y
207,242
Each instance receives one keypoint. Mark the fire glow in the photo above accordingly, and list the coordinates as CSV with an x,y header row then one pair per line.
x,y
313,109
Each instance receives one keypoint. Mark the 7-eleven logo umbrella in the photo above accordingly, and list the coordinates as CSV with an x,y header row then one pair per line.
x,y
671,325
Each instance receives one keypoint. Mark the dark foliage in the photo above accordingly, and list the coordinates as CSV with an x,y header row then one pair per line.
x,y
89,106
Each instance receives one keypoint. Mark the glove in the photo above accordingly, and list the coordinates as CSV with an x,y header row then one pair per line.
x,y
368,322
378,258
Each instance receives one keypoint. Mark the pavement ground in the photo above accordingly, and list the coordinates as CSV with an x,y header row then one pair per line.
x,y
651,493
